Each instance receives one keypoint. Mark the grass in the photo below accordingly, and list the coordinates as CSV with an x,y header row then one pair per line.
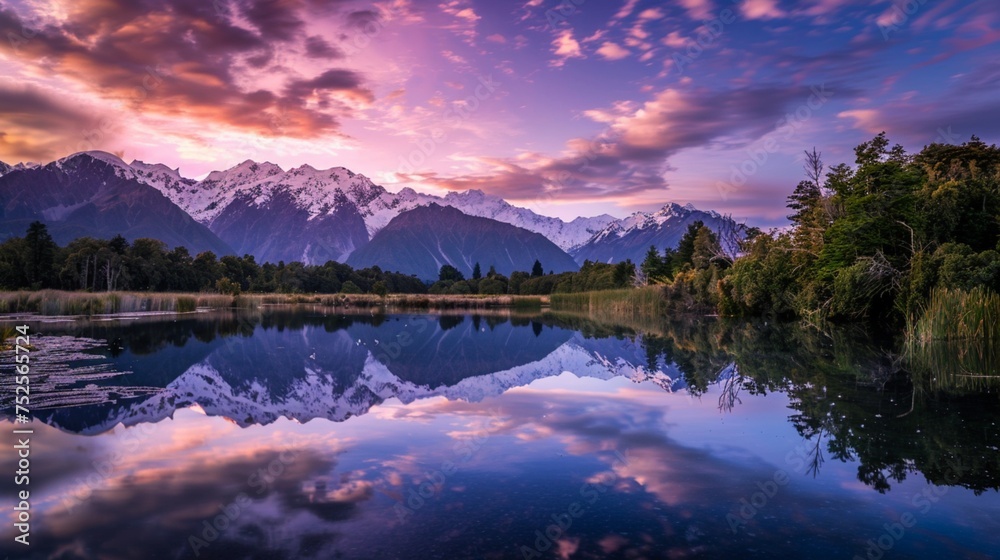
x,y
955,343
952,315
614,306
7,333
60,303
55,302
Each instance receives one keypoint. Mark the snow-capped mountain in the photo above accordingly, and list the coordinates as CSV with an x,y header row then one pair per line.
x,y
161,177
323,192
631,237
312,215
314,388
96,194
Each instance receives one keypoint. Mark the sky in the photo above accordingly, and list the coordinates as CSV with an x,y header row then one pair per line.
x,y
569,107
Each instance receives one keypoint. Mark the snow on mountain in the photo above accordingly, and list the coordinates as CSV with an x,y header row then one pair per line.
x,y
631,237
121,168
162,178
316,395
322,192
328,212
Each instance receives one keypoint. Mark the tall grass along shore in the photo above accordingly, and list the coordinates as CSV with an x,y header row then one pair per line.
x,y
61,303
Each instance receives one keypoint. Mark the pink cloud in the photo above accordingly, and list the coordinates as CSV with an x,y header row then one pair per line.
x,y
612,51
762,9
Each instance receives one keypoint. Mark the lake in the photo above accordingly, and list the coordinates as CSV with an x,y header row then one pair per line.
x,y
305,433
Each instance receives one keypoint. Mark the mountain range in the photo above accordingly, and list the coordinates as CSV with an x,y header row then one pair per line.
x,y
312,216
335,368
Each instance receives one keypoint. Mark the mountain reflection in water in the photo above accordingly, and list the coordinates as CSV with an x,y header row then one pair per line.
x,y
316,434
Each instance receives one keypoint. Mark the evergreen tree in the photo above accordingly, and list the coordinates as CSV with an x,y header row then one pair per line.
x,y
39,258
477,272
537,269
449,273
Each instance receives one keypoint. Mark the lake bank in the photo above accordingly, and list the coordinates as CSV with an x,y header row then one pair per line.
x,y
51,303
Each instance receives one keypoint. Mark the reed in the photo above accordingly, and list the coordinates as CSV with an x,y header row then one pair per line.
x,y
952,315
954,345
60,303
614,306
7,333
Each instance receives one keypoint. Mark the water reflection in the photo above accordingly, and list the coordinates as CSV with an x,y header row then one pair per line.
x,y
465,437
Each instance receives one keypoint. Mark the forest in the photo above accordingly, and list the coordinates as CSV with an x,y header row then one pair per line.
x,y
890,239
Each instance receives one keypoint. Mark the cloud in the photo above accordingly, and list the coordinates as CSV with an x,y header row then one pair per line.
x,y
38,126
185,60
318,47
631,155
274,19
651,13
699,10
761,9
868,120
465,18
565,47
626,10
335,79
496,38
612,51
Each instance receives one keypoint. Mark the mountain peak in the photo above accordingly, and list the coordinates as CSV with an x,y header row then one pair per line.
x,y
108,158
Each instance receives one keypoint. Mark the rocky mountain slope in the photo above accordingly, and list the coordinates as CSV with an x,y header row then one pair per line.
x,y
421,240
96,194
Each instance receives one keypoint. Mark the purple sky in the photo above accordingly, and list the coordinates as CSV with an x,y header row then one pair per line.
x,y
572,107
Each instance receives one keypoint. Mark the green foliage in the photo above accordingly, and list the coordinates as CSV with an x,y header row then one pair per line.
x,y
449,273
656,268
624,274
186,304
39,256
764,281
350,287
536,269
477,272
227,286
874,240
492,286
97,265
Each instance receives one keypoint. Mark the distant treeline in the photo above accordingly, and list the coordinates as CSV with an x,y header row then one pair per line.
x,y
36,262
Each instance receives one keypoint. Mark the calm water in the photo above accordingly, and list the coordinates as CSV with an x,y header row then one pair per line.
x,y
307,434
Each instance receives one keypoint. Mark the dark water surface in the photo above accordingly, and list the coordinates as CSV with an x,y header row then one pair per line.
x,y
301,433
